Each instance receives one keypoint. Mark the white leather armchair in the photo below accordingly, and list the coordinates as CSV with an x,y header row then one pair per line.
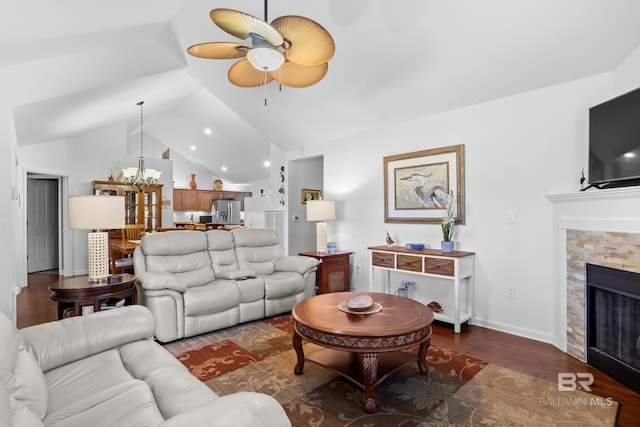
x,y
104,369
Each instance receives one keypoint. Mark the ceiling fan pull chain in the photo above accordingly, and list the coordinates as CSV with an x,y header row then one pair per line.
x,y
265,87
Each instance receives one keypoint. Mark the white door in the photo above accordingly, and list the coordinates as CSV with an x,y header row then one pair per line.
x,y
42,225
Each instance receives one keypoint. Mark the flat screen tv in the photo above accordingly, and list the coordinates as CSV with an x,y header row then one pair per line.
x,y
614,142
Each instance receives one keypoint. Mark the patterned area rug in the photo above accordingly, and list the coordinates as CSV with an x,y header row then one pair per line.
x,y
459,390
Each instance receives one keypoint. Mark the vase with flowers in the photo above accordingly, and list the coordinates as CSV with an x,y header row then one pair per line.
x,y
448,225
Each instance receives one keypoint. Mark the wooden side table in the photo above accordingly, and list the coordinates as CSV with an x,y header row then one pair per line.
x,y
75,292
334,271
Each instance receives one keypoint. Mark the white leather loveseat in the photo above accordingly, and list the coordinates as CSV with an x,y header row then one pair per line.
x,y
195,282
105,369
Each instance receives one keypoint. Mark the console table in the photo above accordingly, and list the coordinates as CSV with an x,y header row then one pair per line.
x,y
75,292
456,266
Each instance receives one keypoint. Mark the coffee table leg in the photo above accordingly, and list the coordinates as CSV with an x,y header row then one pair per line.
x,y
370,374
422,356
297,346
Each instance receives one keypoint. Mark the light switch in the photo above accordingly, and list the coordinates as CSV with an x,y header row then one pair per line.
x,y
510,217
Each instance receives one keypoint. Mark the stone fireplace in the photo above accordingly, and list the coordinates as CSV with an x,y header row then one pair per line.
x,y
603,248
600,227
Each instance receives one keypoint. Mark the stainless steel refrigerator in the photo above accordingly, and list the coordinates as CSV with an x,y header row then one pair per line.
x,y
225,212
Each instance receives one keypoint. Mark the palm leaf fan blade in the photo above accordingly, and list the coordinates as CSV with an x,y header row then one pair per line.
x,y
298,76
241,25
243,74
218,50
311,44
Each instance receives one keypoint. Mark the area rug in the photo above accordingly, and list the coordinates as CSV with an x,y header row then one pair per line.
x,y
459,390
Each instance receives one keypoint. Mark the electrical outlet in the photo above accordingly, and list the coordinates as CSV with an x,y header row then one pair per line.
x,y
511,292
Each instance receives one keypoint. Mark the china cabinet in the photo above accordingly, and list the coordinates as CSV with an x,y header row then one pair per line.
x,y
143,207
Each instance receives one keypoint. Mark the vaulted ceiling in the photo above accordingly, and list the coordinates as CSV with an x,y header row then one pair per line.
x,y
85,63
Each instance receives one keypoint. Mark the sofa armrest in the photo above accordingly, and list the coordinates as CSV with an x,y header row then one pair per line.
x,y
155,280
243,409
64,341
298,264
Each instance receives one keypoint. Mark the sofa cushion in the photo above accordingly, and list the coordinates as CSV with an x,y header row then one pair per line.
x,y
282,284
257,249
133,405
192,269
255,237
102,374
21,416
173,243
28,385
218,296
222,251
20,373
175,389
251,289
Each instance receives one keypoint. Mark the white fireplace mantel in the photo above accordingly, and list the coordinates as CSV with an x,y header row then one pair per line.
x,y
611,210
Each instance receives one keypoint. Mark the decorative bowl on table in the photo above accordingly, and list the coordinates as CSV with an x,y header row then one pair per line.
x,y
359,303
415,246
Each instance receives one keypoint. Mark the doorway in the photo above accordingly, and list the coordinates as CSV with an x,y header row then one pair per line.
x,y
43,224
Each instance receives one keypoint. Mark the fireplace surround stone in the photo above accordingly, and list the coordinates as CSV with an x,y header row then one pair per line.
x,y
601,227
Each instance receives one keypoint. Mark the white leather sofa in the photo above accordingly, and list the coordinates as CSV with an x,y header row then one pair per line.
x,y
105,369
195,282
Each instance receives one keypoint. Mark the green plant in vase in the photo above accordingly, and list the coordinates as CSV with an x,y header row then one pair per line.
x,y
448,225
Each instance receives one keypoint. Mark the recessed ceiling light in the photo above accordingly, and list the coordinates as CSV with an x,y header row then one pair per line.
x,y
267,163
193,147
630,155
224,168
207,131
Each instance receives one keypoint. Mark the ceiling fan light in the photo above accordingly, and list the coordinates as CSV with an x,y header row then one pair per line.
x,y
265,59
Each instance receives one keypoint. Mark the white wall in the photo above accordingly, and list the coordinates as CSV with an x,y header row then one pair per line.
x,y
517,150
303,173
81,159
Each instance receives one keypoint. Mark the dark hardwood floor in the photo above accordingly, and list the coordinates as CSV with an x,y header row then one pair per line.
x,y
520,354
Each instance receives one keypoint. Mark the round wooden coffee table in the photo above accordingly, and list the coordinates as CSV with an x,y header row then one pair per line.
x,y
363,348
74,292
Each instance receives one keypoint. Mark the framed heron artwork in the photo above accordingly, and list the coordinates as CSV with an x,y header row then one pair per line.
x,y
416,185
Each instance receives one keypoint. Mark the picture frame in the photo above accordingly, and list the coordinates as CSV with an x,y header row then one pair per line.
x,y
308,194
416,185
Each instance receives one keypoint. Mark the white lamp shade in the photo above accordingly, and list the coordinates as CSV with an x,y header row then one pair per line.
x,y
321,210
96,212
265,59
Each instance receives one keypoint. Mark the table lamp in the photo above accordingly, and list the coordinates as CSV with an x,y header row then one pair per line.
x,y
321,211
97,213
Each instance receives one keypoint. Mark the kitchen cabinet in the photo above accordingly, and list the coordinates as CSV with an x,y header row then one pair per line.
x,y
204,198
185,200
140,207
177,200
189,200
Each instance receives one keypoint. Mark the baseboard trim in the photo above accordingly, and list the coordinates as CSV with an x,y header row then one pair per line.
x,y
510,329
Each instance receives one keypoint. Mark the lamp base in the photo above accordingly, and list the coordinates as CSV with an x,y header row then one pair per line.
x,y
321,237
98,256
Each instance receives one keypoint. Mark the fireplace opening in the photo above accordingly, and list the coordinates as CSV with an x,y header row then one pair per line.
x,y
613,323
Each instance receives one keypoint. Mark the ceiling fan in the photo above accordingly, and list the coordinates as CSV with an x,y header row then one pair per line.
x,y
292,50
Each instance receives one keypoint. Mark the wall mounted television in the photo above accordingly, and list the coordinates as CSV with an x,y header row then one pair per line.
x,y
614,142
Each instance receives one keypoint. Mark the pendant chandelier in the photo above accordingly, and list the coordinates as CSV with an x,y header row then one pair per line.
x,y
140,177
